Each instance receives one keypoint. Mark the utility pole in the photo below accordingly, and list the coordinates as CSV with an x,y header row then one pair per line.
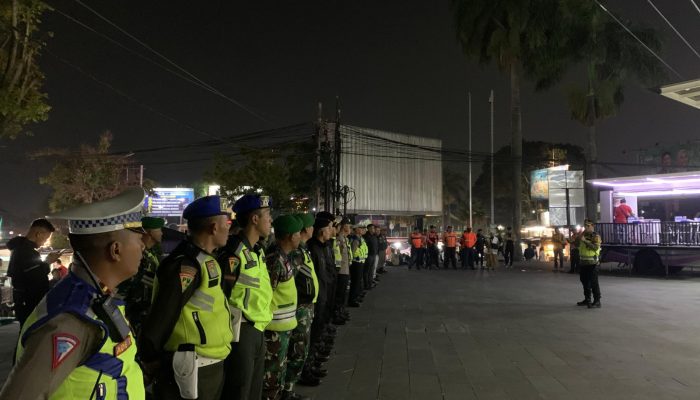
x,y
338,148
317,168
141,175
471,224
491,100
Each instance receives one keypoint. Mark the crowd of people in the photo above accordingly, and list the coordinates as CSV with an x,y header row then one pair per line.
x,y
474,249
235,311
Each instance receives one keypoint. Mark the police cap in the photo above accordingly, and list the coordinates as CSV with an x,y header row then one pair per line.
x,y
251,202
204,207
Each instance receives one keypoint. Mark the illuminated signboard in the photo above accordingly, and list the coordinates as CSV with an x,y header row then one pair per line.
x,y
168,202
539,184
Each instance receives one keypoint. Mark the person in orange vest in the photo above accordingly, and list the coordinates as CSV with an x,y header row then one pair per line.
x,y
449,239
416,240
468,244
424,250
432,242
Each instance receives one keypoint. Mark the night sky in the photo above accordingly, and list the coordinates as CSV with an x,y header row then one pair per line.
x,y
396,66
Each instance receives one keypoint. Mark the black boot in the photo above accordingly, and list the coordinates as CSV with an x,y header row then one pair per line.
x,y
308,379
596,304
584,302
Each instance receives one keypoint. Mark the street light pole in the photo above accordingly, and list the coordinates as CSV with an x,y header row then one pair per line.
x,y
491,100
470,160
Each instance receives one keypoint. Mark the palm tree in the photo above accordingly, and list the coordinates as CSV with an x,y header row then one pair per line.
x,y
520,37
611,56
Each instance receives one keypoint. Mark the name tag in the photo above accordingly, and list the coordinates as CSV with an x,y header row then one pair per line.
x,y
121,347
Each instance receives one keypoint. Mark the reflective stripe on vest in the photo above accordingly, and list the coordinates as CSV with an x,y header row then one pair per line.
x,y
284,301
205,320
119,376
588,256
252,293
336,253
360,253
310,271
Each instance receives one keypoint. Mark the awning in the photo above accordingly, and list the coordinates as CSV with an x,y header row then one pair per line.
x,y
679,184
685,92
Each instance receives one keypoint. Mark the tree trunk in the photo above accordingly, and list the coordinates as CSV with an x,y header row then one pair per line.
x,y
516,127
592,150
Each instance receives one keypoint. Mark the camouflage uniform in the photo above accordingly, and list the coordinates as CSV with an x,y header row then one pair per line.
x,y
281,269
300,337
138,290
298,345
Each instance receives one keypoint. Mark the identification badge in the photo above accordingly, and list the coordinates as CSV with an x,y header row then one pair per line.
x,y
120,348
63,345
233,263
212,269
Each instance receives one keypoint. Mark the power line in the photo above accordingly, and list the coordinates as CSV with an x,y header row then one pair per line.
x,y
169,61
133,100
696,5
638,39
674,28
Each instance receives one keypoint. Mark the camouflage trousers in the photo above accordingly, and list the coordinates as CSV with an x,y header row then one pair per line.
x,y
298,345
275,363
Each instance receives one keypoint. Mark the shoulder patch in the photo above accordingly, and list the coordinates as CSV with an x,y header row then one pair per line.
x,y
233,263
63,346
187,275
212,269
121,347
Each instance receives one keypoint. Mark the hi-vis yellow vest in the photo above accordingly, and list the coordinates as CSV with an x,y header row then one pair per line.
x,y
284,299
361,252
252,293
336,252
309,270
114,364
205,320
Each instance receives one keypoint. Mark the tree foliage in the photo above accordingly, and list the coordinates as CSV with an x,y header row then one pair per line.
x,y
21,100
87,175
282,172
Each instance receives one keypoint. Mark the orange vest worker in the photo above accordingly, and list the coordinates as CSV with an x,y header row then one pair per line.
x,y
450,239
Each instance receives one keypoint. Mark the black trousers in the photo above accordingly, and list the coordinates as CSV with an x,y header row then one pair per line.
x,y
367,271
574,260
480,255
432,257
341,292
509,252
450,257
245,365
210,383
589,280
356,280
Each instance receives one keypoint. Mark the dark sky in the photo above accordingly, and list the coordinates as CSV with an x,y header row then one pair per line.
x,y
395,65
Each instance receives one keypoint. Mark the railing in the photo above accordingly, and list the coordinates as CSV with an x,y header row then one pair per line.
x,y
651,233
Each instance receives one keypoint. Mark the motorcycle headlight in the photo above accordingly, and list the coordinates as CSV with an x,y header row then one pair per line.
x,y
396,245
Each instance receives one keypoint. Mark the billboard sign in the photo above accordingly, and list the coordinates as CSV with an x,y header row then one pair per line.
x,y
168,202
539,184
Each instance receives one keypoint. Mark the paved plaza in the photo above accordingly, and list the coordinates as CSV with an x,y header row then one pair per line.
x,y
511,334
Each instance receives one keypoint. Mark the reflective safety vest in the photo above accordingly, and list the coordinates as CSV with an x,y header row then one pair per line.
x,y
252,293
361,252
417,240
337,255
587,255
284,301
469,239
114,364
450,239
205,320
309,271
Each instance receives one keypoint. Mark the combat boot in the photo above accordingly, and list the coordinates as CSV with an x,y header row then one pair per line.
x,y
596,304
584,302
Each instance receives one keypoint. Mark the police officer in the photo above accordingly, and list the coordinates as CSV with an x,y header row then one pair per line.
x,y
138,291
449,239
307,294
589,249
76,344
187,334
358,248
284,303
247,286
343,257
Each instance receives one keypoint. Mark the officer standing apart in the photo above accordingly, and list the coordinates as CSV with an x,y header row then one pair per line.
x,y
247,286
449,239
76,344
558,242
358,247
284,303
509,249
138,291
187,334
29,274
589,249
307,292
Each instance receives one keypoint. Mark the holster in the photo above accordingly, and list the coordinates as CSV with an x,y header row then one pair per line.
x,y
236,318
185,371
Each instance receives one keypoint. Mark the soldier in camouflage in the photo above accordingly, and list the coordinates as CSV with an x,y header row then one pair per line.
x,y
284,304
138,290
306,297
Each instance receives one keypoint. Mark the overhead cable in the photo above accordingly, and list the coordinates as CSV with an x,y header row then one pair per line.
x,y
674,28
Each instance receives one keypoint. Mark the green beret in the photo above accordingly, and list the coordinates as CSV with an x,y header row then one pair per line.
x,y
306,219
152,222
286,224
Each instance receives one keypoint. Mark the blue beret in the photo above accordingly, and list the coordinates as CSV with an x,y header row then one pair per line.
x,y
251,202
204,207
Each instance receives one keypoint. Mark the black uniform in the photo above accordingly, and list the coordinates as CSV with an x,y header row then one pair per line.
x,y
29,275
